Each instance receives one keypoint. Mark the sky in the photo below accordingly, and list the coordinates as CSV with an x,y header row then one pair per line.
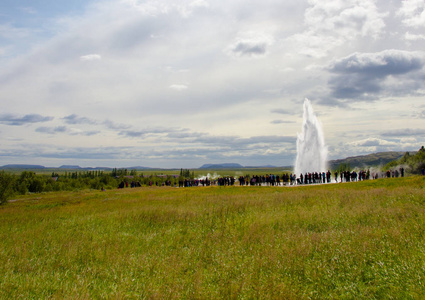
x,y
182,83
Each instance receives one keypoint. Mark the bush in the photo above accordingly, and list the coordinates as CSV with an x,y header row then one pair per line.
x,y
6,182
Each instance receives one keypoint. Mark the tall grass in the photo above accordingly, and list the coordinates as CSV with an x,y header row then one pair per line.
x,y
354,240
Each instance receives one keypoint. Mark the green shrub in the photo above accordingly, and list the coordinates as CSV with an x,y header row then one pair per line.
x,y
6,182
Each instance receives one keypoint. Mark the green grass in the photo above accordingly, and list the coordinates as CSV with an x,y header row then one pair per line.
x,y
354,241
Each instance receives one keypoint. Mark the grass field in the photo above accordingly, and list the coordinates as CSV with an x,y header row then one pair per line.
x,y
354,241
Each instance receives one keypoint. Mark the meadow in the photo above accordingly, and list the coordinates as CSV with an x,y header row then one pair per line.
x,y
361,240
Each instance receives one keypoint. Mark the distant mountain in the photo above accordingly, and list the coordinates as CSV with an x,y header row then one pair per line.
x,y
138,168
20,166
374,159
221,166
261,167
72,167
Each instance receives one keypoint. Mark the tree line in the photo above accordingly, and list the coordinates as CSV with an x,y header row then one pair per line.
x,y
30,182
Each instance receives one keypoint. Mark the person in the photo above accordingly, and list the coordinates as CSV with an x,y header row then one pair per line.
x,y
121,185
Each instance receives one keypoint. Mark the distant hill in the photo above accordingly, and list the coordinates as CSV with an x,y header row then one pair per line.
x,y
261,167
222,166
137,168
21,166
374,159
65,167
76,167
72,167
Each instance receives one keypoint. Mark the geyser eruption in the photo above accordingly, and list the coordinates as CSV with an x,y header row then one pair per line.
x,y
311,150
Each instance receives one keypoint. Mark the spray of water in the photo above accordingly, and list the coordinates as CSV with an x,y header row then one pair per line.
x,y
209,176
311,149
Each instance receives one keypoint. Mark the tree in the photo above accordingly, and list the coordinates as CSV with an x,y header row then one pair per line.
x,y
343,167
185,173
6,182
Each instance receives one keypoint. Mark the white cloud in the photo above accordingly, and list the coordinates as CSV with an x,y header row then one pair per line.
x,y
372,142
156,8
410,140
148,7
405,132
179,87
28,10
199,3
414,37
3,51
90,57
9,31
330,24
287,70
414,13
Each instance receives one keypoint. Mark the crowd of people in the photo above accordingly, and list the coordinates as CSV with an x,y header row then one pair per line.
x,y
279,180
346,176
309,178
269,179
196,182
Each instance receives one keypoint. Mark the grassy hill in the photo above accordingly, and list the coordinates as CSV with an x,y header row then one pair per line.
x,y
414,162
374,159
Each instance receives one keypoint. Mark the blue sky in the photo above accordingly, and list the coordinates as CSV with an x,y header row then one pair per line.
x,y
28,23
181,83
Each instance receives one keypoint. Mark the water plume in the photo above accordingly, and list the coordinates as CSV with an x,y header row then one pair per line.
x,y
209,176
311,149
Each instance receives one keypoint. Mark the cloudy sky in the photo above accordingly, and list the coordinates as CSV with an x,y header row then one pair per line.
x,y
180,83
